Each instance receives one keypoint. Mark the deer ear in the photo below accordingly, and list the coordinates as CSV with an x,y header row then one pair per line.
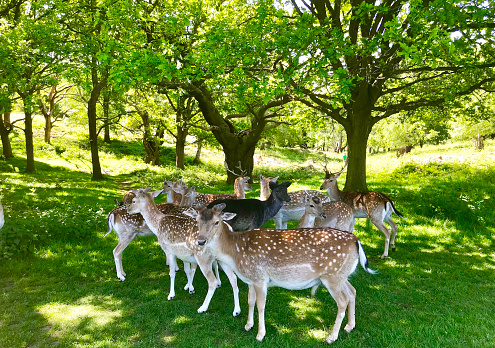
x,y
156,193
219,207
228,216
135,191
286,183
272,184
191,213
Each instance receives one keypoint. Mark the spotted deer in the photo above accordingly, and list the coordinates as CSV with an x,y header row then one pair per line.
x,y
241,185
293,259
127,226
177,237
317,214
373,205
292,210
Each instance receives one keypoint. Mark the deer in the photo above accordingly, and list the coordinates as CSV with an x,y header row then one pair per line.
x,y
253,213
317,214
293,259
177,236
127,227
241,185
293,210
375,206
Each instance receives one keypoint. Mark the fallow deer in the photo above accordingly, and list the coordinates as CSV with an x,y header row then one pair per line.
x,y
293,259
253,213
373,205
241,185
127,226
177,237
292,210
337,215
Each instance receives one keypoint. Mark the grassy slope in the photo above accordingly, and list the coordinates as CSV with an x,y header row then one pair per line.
x,y
436,290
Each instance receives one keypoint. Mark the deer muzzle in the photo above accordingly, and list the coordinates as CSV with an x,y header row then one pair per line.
x,y
201,240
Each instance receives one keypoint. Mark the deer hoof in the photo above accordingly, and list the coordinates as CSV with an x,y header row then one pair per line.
x,y
202,309
170,297
191,292
236,312
122,278
349,328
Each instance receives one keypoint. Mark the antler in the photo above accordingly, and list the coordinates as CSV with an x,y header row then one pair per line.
x,y
243,172
327,172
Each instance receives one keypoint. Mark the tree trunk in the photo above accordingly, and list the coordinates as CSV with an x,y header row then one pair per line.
x,y
5,129
180,145
106,118
93,134
48,130
28,133
358,130
197,158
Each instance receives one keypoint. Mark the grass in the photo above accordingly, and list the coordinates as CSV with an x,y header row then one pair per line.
x,y
59,287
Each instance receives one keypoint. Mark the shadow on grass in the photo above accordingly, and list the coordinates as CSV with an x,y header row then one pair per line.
x,y
79,301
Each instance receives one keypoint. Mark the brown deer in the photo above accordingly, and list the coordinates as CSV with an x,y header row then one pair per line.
x,y
292,210
373,205
241,185
177,237
293,259
317,214
127,226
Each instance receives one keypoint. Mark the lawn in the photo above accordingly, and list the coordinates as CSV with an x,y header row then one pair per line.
x,y
58,285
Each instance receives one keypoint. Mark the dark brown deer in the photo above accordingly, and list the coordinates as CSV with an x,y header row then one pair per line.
x,y
253,213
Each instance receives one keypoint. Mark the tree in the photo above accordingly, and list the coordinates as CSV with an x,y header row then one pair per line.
x,y
51,109
360,62
29,60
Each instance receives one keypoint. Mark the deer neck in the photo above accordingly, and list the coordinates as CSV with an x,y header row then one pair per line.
x,y
264,193
239,191
334,193
307,221
152,215
271,207
170,198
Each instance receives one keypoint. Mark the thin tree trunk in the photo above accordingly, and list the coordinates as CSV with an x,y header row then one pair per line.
x,y
48,130
28,133
106,113
93,134
5,129
180,145
197,158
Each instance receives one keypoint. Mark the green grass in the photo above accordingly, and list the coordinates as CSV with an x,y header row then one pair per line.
x,y
59,287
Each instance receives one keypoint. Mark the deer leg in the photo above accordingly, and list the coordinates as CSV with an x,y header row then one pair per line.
x,y
260,304
172,267
167,262
233,282
351,308
278,221
117,254
335,288
379,224
392,224
251,302
217,274
190,276
206,267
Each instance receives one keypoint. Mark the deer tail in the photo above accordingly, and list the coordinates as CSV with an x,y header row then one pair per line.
x,y
363,259
110,221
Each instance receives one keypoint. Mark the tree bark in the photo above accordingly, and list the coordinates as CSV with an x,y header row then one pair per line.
x,y
180,145
28,132
92,116
197,158
48,130
5,129
106,113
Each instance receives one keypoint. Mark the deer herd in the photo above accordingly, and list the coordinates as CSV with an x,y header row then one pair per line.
x,y
209,231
